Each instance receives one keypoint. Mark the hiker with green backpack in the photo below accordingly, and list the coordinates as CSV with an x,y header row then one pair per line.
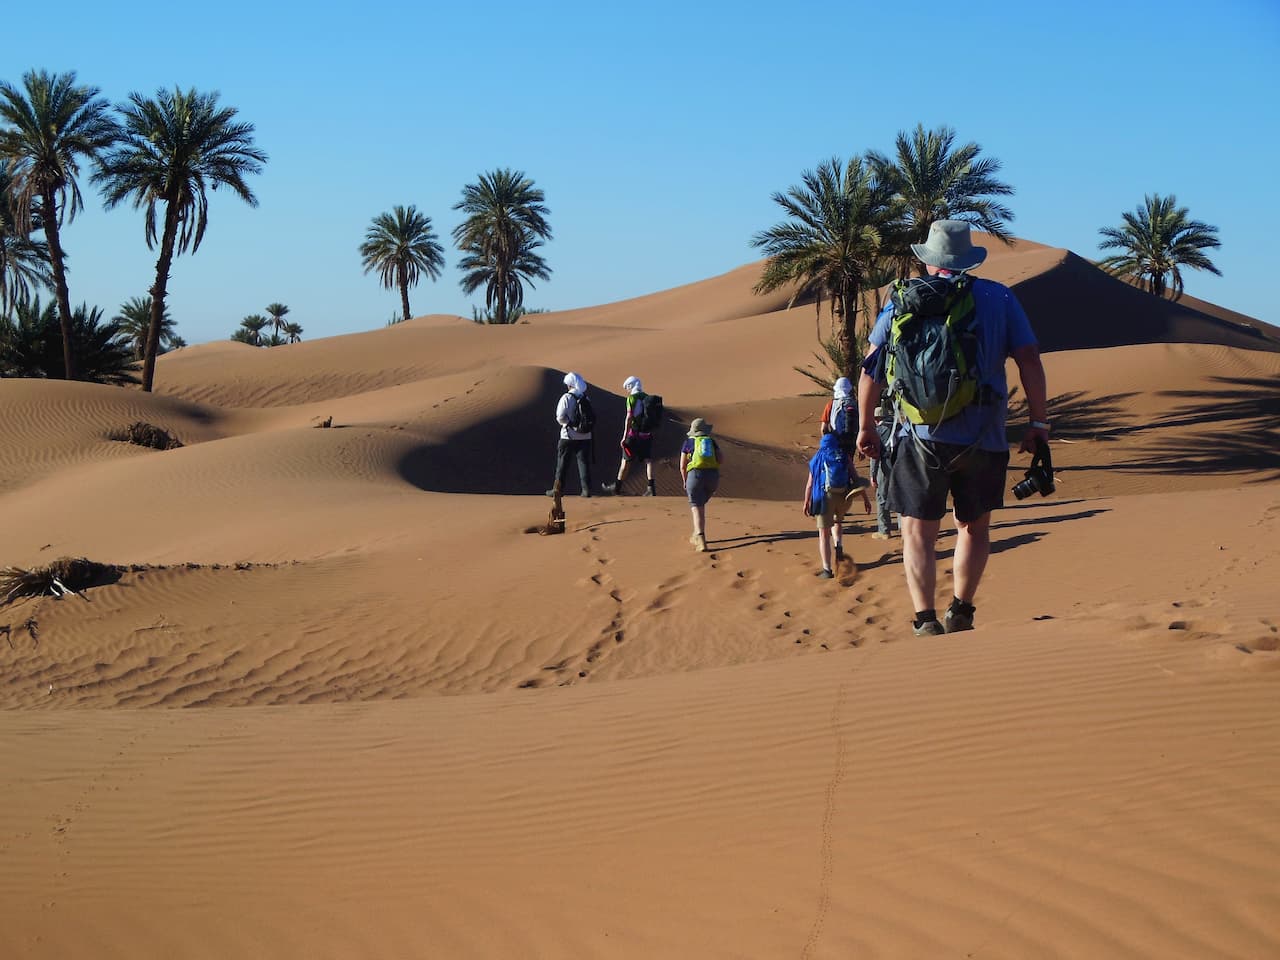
x,y
939,347
644,416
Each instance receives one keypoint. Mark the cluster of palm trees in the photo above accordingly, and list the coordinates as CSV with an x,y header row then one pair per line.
x,y
505,225
252,327
161,153
850,226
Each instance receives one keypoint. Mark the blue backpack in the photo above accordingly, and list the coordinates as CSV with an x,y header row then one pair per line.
x,y
834,470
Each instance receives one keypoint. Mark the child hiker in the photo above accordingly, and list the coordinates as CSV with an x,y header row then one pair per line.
x,y
832,481
700,461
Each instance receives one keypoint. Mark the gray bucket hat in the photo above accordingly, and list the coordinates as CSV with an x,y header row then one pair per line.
x,y
699,428
949,247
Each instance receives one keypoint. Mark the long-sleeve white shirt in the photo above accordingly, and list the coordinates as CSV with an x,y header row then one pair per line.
x,y
563,410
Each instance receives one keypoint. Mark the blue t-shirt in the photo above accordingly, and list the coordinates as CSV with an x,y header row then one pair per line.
x,y
1002,328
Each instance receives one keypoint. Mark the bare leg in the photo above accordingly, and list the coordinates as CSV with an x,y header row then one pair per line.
x,y
824,547
623,468
919,559
648,469
973,547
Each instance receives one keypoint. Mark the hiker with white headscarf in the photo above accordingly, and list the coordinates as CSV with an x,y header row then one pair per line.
x,y
644,412
576,419
840,415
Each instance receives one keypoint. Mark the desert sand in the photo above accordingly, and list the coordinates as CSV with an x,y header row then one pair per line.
x,y
417,730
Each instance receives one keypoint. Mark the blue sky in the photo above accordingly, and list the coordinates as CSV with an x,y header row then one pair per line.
x,y
659,131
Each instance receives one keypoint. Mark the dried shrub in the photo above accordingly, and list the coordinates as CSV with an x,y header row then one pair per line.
x,y
66,574
146,435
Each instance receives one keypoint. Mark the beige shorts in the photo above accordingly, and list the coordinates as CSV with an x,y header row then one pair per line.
x,y
834,506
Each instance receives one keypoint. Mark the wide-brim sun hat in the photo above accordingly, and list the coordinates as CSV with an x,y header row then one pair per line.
x,y
949,247
699,428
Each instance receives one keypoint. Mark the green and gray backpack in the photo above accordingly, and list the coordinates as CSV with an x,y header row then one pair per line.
x,y
931,361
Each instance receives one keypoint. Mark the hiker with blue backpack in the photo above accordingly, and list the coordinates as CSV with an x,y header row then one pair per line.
x,y
577,420
840,415
939,346
644,416
832,481
700,460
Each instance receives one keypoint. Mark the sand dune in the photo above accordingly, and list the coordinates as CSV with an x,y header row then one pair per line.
x,y
454,738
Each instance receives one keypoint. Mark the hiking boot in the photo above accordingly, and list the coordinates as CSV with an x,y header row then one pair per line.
x,y
959,617
825,575
552,492
585,494
700,542
609,489
649,492
930,628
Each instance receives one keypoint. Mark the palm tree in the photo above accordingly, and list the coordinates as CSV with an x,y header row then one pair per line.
x,y
936,180
840,227
293,332
402,247
251,328
47,129
1157,239
24,262
30,344
484,269
277,311
134,319
506,221
173,148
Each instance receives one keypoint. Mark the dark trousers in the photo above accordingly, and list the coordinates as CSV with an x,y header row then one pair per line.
x,y
573,448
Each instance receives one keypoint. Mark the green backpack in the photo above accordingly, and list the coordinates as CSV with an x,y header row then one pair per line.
x,y
931,361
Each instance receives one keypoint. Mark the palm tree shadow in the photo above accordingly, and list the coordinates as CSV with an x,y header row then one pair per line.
x,y
1076,416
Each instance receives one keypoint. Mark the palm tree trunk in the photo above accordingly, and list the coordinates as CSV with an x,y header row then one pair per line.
x,y
49,218
404,290
502,297
847,320
158,292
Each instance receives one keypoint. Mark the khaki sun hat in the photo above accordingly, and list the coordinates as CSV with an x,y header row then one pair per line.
x,y
949,247
699,428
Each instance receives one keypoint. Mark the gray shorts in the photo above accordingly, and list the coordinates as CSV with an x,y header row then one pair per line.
x,y
701,485
920,480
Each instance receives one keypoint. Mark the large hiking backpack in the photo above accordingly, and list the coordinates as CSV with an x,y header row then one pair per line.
x,y
932,352
583,417
834,470
844,422
648,418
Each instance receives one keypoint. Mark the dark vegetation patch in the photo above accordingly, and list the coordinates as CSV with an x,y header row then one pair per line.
x,y
146,435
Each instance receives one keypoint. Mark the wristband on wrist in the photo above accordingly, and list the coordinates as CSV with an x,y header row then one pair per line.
x,y
1039,425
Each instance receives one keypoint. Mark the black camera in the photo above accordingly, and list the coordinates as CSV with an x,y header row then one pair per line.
x,y
1039,478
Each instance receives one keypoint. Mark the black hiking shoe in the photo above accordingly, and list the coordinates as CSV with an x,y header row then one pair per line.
x,y
930,628
610,489
551,493
649,492
825,575
959,617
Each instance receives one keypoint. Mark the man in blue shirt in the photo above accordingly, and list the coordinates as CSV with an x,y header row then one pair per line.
x,y
966,455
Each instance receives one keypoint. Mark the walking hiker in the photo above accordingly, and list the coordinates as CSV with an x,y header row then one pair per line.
x,y
840,415
880,473
577,420
940,346
832,481
700,461
644,415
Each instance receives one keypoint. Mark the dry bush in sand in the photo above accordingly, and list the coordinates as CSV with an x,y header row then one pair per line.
x,y
65,575
146,435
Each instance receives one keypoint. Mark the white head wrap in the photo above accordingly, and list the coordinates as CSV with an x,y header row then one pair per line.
x,y
843,389
631,385
575,383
